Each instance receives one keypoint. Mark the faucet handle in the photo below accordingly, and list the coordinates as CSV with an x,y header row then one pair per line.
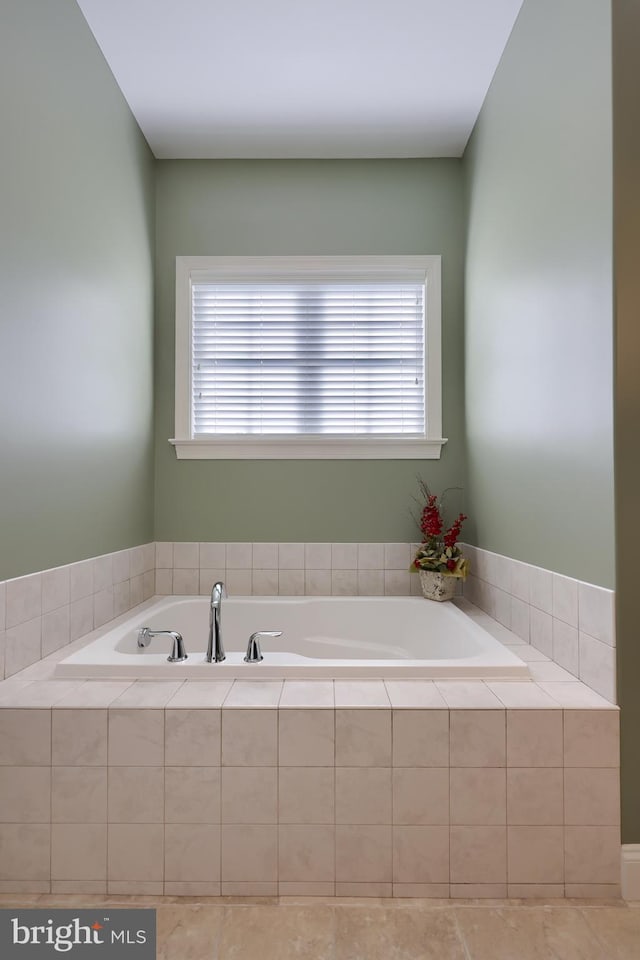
x,y
254,653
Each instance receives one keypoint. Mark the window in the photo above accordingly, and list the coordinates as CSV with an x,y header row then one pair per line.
x,y
307,357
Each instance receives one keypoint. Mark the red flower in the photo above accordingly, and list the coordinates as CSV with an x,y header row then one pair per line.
x,y
452,534
451,564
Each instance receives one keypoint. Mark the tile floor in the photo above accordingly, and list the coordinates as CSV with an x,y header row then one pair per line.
x,y
376,929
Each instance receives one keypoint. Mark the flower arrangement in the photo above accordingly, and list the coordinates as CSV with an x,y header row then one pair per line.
x,y
439,550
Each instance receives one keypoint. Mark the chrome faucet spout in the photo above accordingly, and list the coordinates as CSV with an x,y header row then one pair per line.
x,y
215,647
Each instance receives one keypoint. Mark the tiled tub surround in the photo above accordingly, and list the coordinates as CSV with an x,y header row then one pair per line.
x,y
564,620
570,622
287,569
42,612
405,788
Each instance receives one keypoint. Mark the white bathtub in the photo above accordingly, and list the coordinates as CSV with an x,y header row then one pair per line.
x,y
322,637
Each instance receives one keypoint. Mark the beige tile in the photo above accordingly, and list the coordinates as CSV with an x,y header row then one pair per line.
x,y
186,582
397,583
598,666
306,795
11,691
537,933
249,795
478,796
25,851
25,794
382,933
258,889
79,794
306,852
25,737
365,892
300,888
363,738
478,854
592,797
90,888
598,891
23,599
534,738
344,556
250,738
420,738
98,694
249,853
361,693
317,556
591,738
55,630
344,583
192,794
11,888
306,738
174,888
536,891
534,796
186,555
136,737
618,930
79,851
136,795
136,853
275,933
575,695
55,588
421,854
317,583
363,795
468,695
187,934
192,737
192,852
592,854
414,695
363,854
478,891
201,694
546,671
421,796
147,693
79,738
522,695
38,693
253,694
430,891
135,888
477,738
307,693
535,854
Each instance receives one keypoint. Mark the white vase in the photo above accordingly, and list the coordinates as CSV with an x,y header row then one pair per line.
x,y
437,586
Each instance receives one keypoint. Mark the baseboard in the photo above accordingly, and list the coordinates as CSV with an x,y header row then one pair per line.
x,y
631,871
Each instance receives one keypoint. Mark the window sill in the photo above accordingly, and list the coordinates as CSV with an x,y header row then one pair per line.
x,y
293,448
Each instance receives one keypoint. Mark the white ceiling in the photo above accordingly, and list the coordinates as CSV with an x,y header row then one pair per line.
x,y
303,78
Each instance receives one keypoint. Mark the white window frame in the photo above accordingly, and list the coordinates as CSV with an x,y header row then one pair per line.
x,y
425,269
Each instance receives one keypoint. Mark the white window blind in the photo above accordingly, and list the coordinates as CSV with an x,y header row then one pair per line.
x,y
308,358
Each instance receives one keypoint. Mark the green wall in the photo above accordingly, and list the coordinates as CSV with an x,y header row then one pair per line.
x,y
539,380
76,318
304,207
626,152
